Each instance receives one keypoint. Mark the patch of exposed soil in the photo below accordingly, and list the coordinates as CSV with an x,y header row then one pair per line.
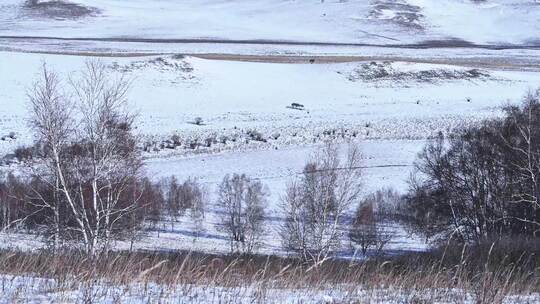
x,y
173,63
181,68
377,72
398,12
57,9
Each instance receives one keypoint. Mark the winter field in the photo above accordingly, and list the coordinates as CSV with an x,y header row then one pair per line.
x,y
256,87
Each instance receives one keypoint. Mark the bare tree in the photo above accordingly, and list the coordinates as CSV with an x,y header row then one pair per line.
x,y
242,202
173,200
387,203
364,228
482,181
12,211
188,196
367,229
198,196
109,160
151,203
524,123
52,123
90,153
316,204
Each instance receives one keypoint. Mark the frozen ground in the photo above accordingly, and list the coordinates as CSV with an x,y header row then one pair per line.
x,y
387,74
497,32
387,164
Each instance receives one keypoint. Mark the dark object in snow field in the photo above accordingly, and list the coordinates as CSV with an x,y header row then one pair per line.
x,y
296,106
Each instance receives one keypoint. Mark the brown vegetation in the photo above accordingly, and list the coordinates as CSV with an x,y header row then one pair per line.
x,y
487,273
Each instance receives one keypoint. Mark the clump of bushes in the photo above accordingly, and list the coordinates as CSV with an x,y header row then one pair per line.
x,y
481,182
255,135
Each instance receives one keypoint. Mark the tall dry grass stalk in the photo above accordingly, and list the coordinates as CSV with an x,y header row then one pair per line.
x,y
460,274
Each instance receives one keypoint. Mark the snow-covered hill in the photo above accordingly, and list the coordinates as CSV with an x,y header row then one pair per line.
x,y
345,21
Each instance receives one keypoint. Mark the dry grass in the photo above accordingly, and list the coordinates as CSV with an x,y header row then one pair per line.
x,y
484,274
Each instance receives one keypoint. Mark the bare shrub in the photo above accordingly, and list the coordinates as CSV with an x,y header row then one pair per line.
x,y
23,154
242,203
316,204
173,200
151,207
375,211
12,206
255,135
198,121
151,200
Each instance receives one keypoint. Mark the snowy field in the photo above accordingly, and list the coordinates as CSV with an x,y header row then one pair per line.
x,y
440,29
40,290
365,100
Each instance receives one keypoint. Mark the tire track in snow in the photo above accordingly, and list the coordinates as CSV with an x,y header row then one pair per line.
x,y
428,44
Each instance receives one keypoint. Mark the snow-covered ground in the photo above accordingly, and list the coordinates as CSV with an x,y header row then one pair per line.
x,y
490,32
387,164
25,289
373,100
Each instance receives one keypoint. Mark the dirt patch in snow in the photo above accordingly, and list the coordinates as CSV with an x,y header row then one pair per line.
x,y
173,63
397,12
386,72
180,68
57,9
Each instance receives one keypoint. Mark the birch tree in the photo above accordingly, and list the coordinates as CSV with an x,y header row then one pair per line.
x,y
52,122
89,150
242,203
523,140
316,204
